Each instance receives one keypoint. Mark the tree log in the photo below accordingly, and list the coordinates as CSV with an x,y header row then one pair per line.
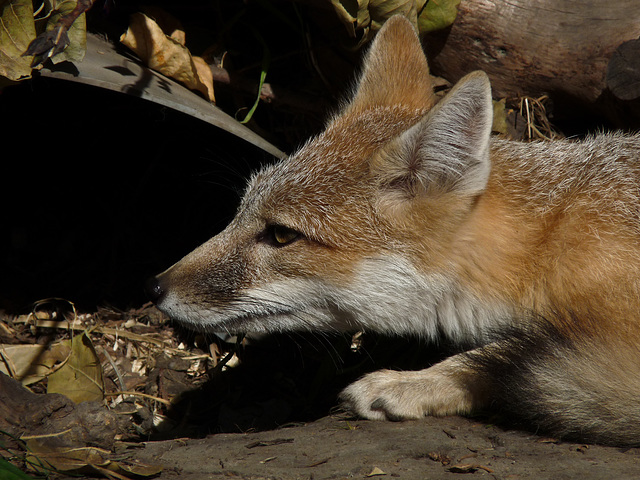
x,y
555,47
61,422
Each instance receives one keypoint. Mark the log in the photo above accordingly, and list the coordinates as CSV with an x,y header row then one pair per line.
x,y
556,47
61,422
623,71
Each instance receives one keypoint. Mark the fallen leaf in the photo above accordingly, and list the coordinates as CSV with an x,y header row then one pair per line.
x,y
449,434
164,54
80,378
437,14
169,24
77,32
43,458
134,468
363,18
548,440
467,468
319,462
376,472
439,457
31,363
18,29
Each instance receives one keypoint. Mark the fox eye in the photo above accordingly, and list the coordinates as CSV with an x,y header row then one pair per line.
x,y
280,236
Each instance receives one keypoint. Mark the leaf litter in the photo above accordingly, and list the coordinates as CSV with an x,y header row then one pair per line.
x,y
104,359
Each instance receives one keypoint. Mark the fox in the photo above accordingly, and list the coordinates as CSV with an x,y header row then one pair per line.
x,y
407,216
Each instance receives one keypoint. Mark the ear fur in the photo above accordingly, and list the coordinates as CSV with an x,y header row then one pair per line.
x,y
395,70
447,151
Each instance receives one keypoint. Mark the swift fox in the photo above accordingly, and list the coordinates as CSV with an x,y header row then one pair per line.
x,y
406,216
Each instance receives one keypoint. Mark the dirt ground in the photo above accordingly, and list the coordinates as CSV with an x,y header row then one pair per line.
x,y
177,405
436,448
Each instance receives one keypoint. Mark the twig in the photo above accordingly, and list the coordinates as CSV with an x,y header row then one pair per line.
x,y
139,394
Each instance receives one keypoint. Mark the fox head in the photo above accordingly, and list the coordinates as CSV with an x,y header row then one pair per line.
x,y
354,229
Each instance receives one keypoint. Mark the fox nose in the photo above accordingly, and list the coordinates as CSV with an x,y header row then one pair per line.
x,y
154,289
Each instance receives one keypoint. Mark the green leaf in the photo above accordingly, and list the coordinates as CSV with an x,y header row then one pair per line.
x,y
437,14
9,471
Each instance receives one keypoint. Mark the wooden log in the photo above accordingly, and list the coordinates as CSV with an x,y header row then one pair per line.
x,y
556,47
61,422
623,71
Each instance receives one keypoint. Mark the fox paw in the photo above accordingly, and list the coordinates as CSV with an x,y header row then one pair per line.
x,y
391,395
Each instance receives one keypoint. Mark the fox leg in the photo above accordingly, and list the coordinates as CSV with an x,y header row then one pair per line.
x,y
566,383
447,388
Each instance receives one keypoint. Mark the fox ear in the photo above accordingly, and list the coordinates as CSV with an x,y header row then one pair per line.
x,y
395,70
447,151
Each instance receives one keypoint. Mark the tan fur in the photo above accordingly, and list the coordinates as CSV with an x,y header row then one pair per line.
x,y
568,228
405,216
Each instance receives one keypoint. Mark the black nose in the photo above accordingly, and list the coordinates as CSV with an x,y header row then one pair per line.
x,y
154,289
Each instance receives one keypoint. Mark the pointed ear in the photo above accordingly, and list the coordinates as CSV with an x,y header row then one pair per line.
x,y
447,151
395,70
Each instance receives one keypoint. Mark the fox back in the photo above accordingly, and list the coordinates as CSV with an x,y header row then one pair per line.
x,y
406,216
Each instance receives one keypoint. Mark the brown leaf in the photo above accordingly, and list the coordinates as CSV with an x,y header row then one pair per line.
x,y
167,55
31,363
42,458
80,378
439,457
468,468
376,472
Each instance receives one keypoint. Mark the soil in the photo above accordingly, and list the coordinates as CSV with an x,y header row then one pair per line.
x,y
434,448
270,412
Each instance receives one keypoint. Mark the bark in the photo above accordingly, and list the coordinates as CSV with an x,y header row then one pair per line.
x,y
23,412
557,47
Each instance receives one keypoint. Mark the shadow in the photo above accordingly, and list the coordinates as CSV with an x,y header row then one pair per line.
x,y
64,67
286,379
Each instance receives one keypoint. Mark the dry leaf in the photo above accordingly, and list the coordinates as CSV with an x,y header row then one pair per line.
x,y
468,468
42,457
80,378
376,472
439,457
166,55
31,363
18,29
135,468
169,24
